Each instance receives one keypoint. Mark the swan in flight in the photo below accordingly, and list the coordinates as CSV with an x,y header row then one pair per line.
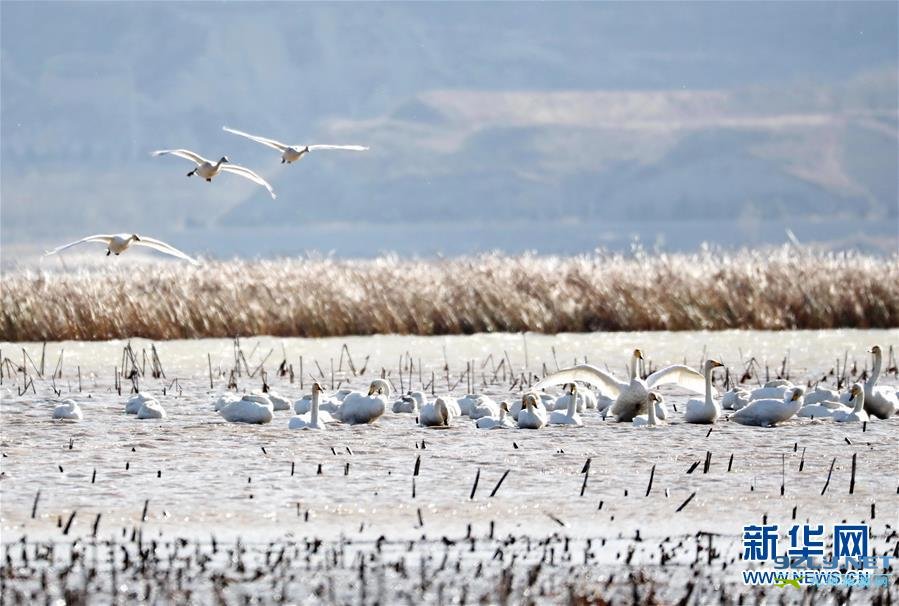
x,y
292,153
310,420
650,419
249,409
531,416
151,409
882,402
708,410
118,243
858,413
768,412
504,421
359,408
68,410
410,403
208,169
436,414
570,416
631,396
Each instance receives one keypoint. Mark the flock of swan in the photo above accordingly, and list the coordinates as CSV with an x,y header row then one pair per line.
x,y
206,169
632,401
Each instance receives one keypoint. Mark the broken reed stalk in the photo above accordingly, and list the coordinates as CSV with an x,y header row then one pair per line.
x,y
652,474
829,473
500,483
852,478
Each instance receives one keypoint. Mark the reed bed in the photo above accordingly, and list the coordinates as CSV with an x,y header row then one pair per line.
x,y
785,288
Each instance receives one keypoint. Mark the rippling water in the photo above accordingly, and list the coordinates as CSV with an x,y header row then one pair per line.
x,y
201,475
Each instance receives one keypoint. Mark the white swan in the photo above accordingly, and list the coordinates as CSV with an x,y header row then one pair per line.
x,y
310,420
116,244
292,153
223,400
542,405
249,409
819,395
410,403
358,408
570,416
708,410
504,421
858,413
151,409
769,412
531,416
582,397
632,396
68,410
436,414
735,399
649,419
208,169
278,402
133,404
882,402
767,393
482,406
824,409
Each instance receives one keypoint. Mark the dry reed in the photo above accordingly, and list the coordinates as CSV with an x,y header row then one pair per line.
x,y
314,297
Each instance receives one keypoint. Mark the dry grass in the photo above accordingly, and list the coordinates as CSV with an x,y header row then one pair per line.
x,y
315,297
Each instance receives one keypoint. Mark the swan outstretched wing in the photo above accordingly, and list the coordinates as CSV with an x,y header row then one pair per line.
x,y
677,374
248,174
346,147
265,141
105,239
608,385
182,153
163,247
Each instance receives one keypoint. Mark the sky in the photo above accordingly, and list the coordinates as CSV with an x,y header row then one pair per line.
x,y
557,127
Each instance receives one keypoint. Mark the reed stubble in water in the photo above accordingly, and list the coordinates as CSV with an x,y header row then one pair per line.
x,y
318,297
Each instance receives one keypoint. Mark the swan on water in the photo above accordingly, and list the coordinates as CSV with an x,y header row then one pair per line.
x,y
735,399
708,410
249,409
207,169
632,396
436,414
819,395
858,414
570,416
278,402
882,402
504,421
585,399
68,410
543,403
311,420
151,409
133,404
225,399
358,408
292,153
769,412
482,406
532,416
116,244
410,403
650,419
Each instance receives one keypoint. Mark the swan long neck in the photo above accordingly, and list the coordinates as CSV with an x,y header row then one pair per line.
x,y
652,411
315,397
572,404
219,163
633,368
859,401
875,372
708,385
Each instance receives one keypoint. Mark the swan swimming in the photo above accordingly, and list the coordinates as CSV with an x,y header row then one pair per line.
x,y
116,244
708,410
151,409
858,413
208,169
531,416
68,410
570,416
632,396
770,412
504,421
649,419
882,402
310,420
358,408
249,409
292,153
436,414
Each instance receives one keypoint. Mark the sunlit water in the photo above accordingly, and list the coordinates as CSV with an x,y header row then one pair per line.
x,y
199,475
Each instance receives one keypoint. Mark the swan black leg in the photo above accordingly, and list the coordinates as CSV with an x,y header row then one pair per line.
x,y
107,252
191,173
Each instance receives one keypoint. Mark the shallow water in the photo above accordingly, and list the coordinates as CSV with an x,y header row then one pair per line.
x,y
200,476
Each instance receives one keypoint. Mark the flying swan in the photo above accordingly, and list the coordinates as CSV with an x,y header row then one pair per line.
x,y
209,169
632,396
292,153
118,243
